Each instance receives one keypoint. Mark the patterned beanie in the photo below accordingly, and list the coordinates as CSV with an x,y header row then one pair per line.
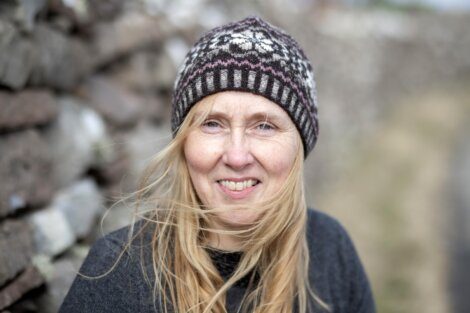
x,y
250,55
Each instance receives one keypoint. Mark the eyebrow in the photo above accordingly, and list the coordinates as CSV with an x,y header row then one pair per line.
x,y
252,116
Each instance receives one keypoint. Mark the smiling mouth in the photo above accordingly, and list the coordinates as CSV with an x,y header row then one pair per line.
x,y
239,185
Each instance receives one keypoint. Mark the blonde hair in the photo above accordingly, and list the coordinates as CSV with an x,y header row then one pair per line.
x,y
185,277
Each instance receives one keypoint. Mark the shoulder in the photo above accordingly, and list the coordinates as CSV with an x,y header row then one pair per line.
x,y
329,242
121,246
325,230
336,270
322,222
112,277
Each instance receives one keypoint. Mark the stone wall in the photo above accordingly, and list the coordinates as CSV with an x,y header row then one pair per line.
x,y
84,102
84,91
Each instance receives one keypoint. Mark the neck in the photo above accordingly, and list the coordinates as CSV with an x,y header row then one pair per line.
x,y
222,241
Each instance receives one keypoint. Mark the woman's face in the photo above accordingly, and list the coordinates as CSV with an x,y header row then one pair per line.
x,y
241,154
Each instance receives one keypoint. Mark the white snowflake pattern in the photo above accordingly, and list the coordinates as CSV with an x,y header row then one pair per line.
x,y
249,40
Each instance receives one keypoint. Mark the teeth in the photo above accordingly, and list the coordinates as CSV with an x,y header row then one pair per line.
x,y
238,186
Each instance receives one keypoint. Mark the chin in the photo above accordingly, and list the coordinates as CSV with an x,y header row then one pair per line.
x,y
237,219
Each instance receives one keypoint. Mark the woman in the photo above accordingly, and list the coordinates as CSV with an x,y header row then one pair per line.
x,y
224,225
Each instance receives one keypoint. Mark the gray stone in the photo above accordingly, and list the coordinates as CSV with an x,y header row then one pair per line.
x,y
143,143
81,204
26,108
25,171
182,14
16,244
59,277
52,232
110,175
7,9
106,9
61,61
166,70
157,109
26,12
28,280
117,216
150,69
57,286
7,33
78,140
17,58
21,12
176,48
129,32
140,71
117,105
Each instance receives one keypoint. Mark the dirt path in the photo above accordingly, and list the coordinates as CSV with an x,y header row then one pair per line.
x,y
393,201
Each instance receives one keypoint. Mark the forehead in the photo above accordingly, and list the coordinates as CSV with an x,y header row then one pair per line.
x,y
240,104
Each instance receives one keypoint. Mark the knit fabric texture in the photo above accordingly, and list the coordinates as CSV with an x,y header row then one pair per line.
x,y
254,56
335,272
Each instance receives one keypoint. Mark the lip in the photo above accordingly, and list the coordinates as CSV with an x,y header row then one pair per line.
x,y
238,194
238,179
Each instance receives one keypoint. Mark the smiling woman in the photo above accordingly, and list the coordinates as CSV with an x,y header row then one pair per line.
x,y
241,154
222,221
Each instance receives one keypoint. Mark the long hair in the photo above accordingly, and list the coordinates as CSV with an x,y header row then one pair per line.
x,y
186,280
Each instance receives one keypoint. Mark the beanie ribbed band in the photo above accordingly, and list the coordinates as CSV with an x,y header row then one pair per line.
x,y
250,55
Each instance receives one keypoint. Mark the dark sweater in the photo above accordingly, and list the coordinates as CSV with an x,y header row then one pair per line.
x,y
336,273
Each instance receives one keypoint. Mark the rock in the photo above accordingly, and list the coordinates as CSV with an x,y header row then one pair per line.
x,y
24,305
25,171
57,287
150,69
62,61
157,108
118,106
59,278
146,74
27,108
21,12
26,12
7,33
16,237
166,70
176,49
106,9
77,140
112,172
7,9
28,280
81,204
143,143
139,71
130,31
17,57
181,13
52,232
117,216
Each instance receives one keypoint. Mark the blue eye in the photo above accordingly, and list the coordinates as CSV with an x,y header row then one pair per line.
x,y
210,124
265,126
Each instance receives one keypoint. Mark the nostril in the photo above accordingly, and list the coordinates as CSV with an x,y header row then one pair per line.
x,y
237,158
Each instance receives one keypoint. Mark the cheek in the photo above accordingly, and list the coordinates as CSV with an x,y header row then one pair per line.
x,y
201,158
278,156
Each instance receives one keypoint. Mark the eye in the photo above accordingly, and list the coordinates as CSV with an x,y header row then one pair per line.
x,y
265,126
210,124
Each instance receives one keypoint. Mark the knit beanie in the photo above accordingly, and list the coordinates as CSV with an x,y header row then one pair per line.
x,y
254,56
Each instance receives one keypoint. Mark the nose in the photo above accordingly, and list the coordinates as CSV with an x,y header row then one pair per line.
x,y
237,153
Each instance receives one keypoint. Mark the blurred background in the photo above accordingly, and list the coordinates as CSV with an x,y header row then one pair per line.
x,y
85,89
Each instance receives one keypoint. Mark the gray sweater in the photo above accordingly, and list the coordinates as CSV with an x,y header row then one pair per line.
x,y
336,273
